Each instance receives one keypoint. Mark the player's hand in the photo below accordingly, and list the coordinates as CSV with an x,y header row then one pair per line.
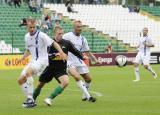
x,y
57,55
98,62
63,56
85,57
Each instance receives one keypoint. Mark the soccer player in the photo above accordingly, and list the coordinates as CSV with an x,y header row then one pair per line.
x,y
36,43
143,55
57,67
77,67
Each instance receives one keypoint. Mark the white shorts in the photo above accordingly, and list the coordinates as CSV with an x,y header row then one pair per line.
x,y
81,69
142,59
38,67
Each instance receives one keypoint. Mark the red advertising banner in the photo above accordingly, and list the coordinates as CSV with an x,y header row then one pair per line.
x,y
109,59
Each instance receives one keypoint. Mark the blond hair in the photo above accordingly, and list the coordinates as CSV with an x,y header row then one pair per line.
x,y
56,28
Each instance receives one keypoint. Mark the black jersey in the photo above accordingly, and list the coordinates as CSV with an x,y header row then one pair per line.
x,y
66,46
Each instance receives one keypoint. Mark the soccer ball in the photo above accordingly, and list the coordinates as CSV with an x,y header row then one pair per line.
x,y
121,60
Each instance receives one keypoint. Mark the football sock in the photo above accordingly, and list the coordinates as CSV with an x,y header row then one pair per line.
x,y
136,70
87,85
83,88
24,88
30,87
56,92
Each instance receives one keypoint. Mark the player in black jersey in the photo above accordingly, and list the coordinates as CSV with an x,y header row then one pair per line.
x,y
57,67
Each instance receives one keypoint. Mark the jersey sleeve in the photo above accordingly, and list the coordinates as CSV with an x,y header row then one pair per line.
x,y
47,40
85,45
65,36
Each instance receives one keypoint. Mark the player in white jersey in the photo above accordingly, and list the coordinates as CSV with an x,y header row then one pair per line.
x,y
76,67
36,44
143,55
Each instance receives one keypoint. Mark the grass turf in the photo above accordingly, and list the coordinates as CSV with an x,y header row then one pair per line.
x,y
120,95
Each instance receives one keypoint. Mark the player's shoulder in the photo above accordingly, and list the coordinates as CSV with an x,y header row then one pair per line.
x,y
66,41
42,33
83,37
67,34
27,35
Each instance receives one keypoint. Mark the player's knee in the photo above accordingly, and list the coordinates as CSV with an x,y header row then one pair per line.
x,y
65,84
88,80
76,77
21,80
146,66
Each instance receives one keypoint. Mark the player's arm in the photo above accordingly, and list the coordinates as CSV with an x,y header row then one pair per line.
x,y
49,42
25,55
58,48
74,51
86,51
149,43
92,57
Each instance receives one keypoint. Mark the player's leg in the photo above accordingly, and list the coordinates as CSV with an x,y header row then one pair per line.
x,y
45,77
136,66
29,77
136,71
33,68
84,72
73,72
37,91
87,79
147,66
64,81
27,80
22,80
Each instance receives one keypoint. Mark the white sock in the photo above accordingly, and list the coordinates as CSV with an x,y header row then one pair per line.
x,y
136,70
87,85
25,89
83,88
151,70
30,87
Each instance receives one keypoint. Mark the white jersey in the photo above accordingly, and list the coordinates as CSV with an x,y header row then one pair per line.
x,y
80,43
37,45
142,48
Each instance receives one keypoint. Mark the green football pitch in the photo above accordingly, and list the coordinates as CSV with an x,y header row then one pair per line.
x,y
117,94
